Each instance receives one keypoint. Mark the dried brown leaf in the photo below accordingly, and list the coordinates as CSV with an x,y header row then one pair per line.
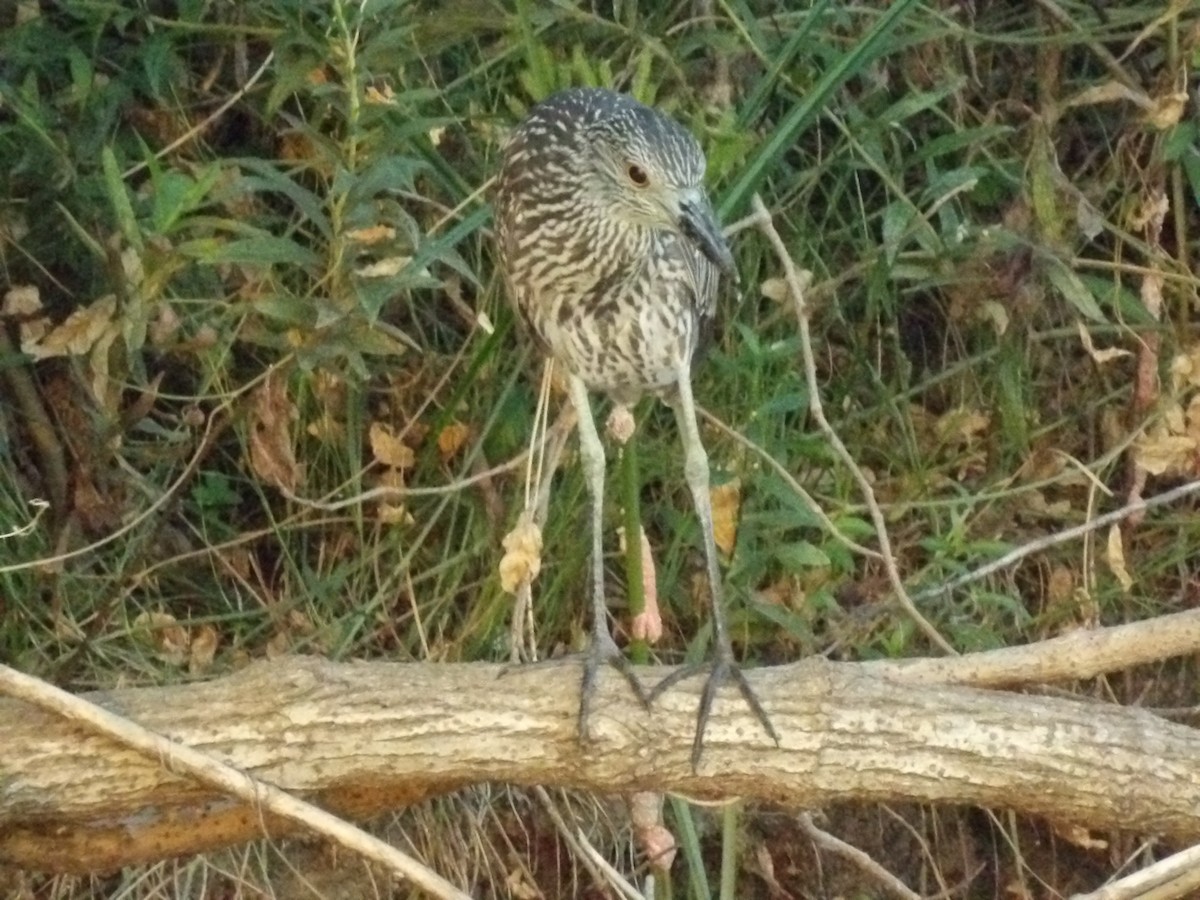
x,y
1114,556
1100,357
205,640
1161,451
79,333
164,635
271,415
21,301
522,560
390,510
388,449
648,625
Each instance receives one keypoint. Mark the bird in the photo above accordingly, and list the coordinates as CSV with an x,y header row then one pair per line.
x,y
612,256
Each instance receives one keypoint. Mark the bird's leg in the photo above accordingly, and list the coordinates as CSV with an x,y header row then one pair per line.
x,y
603,649
723,666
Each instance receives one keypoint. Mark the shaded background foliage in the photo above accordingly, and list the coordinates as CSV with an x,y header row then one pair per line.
x,y
246,254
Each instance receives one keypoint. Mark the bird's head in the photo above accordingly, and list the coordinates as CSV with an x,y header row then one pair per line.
x,y
647,170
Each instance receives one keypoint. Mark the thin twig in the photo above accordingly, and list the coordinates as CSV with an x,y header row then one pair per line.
x,y
790,480
206,440
1176,876
827,841
180,758
386,492
208,120
601,869
793,281
1060,537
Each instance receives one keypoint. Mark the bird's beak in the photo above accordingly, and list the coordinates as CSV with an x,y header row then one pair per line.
x,y
698,223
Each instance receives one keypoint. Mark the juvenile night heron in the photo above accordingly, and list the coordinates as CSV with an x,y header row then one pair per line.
x,y
612,254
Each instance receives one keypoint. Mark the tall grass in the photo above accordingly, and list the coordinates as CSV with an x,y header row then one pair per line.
x,y
270,223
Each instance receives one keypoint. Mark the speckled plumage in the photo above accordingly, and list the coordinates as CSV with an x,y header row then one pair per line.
x,y
612,255
619,299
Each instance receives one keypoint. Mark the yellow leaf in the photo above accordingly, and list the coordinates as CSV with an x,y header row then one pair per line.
x,y
390,511
774,289
389,449
1114,555
726,505
962,425
372,235
1167,110
384,268
994,313
451,439
22,301
384,95
1160,452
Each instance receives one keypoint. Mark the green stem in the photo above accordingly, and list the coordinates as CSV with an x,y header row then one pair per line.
x,y
730,823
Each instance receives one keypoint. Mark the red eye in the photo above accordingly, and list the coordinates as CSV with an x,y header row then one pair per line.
x,y
637,175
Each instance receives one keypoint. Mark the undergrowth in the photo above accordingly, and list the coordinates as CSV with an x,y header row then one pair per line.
x,y
248,277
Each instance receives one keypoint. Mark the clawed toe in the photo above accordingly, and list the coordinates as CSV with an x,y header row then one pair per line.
x,y
720,671
600,654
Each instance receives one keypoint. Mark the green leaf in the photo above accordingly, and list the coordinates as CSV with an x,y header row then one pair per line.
x,y
1073,290
800,556
263,250
1043,189
119,198
864,52
794,625
896,218
268,177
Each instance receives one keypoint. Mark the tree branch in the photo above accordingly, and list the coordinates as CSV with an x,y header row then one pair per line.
x,y
360,738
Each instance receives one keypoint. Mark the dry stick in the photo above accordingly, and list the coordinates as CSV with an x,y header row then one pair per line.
x,y
176,757
791,482
387,493
827,841
208,120
628,891
38,427
1180,873
1060,537
598,867
792,278
188,470
947,890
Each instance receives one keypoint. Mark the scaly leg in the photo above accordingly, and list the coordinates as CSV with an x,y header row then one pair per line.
x,y
723,667
603,649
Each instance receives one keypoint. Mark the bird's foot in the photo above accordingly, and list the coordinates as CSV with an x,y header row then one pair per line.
x,y
721,669
602,651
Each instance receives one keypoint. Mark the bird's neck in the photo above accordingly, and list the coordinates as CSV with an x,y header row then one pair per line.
x,y
618,251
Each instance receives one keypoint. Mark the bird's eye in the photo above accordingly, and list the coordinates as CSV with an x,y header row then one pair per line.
x,y
637,175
